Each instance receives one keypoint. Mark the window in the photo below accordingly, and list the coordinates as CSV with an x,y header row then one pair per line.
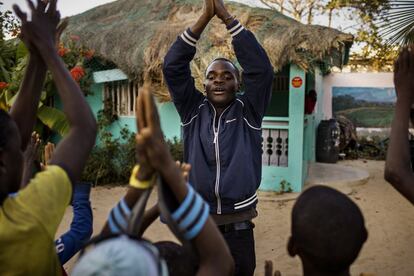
x,y
122,96
279,102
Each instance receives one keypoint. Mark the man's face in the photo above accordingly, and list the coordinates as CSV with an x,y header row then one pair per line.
x,y
221,83
11,163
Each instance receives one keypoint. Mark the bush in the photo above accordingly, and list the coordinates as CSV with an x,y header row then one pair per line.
x,y
373,148
176,148
112,160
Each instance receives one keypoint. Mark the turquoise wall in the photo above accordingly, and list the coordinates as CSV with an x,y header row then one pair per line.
x,y
169,118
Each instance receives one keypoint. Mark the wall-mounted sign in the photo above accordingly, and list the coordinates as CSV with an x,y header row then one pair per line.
x,y
297,82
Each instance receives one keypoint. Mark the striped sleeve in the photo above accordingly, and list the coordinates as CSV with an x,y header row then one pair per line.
x,y
235,28
188,37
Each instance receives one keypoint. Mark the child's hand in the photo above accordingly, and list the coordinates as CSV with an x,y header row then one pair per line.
x,y
31,153
185,169
404,75
41,31
150,139
47,155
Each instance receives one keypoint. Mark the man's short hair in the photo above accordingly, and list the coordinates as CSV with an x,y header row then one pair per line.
x,y
328,228
226,60
5,128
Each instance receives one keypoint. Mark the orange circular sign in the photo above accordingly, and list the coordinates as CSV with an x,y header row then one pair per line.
x,y
297,82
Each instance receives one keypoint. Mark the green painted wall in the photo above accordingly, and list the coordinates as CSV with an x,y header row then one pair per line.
x,y
170,120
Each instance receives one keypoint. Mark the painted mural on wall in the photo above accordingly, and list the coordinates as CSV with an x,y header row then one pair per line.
x,y
368,107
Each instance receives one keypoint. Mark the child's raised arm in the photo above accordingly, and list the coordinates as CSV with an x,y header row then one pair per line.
x,y
398,169
176,67
215,258
73,151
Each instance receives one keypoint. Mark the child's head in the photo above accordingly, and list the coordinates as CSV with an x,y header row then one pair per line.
x,y
121,256
222,81
328,230
11,156
180,260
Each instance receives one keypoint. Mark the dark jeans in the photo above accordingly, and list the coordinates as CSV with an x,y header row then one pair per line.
x,y
241,244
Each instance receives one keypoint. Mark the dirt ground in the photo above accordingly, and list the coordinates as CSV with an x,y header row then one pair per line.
x,y
389,219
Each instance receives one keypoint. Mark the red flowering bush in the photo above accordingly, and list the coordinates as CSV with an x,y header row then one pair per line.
x,y
3,85
77,73
62,51
88,54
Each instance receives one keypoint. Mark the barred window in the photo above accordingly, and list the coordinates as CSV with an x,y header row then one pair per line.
x,y
122,96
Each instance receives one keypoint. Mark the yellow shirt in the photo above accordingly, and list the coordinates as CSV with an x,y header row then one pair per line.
x,y
28,223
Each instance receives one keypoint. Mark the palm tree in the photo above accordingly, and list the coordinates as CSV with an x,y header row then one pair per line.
x,y
397,22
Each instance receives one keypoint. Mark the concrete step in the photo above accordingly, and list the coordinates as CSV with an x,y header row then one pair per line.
x,y
337,176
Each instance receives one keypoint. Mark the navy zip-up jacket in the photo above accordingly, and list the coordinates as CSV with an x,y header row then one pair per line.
x,y
226,161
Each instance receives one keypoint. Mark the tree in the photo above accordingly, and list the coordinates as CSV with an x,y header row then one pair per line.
x,y
398,23
8,25
13,61
301,10
374,53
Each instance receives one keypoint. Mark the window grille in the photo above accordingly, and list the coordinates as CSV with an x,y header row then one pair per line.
x,y
122,96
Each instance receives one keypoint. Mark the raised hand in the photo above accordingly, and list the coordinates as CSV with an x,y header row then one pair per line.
x,y
49,149
146,170
41,30
185,169
150,138
30,156
403,75
221,11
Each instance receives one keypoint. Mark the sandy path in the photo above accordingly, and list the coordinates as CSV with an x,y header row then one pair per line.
x,y
389,219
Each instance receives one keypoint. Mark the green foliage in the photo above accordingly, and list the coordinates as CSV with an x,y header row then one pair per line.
x,y
8,25
13,61
53,119
112,159
397,22
375,53
285,187
176,148
372,148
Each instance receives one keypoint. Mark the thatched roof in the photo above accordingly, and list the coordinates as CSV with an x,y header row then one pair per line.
x,y
136,34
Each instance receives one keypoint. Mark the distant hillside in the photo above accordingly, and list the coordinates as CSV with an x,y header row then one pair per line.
x,y
369,94
345,102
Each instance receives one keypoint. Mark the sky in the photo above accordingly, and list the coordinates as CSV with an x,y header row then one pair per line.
x,y
72,7
66,7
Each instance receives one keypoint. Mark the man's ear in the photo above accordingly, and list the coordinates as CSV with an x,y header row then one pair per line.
x,y
291,247
204,85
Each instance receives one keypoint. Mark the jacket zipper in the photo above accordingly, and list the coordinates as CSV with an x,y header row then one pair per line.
x,y
217,149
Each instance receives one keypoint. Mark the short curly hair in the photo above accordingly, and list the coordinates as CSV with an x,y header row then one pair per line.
x,y
229,61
